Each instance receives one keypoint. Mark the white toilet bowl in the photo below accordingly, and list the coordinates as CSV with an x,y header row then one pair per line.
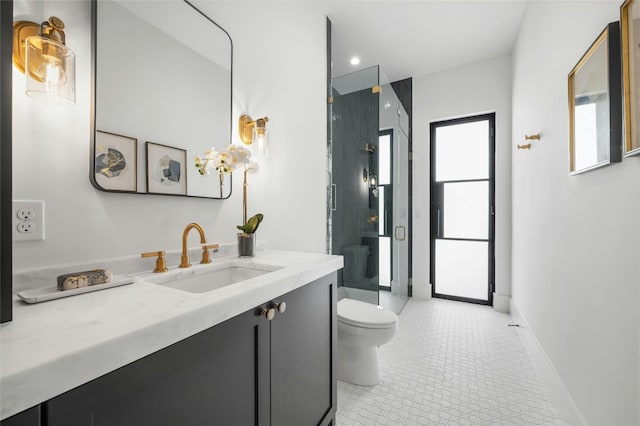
x,y
362,327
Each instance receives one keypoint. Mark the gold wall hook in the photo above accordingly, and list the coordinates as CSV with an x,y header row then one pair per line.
x,y
535,137
525,146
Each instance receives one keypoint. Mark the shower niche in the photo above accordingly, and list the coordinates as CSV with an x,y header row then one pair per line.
x,y
369,200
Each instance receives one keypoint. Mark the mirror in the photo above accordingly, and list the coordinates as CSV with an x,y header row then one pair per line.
x,y
595,99
162,96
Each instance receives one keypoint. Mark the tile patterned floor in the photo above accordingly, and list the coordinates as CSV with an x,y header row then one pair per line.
x,y
450,363
391,301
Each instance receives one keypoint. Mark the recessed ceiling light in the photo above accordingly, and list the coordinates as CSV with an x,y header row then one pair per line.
x,y
355,60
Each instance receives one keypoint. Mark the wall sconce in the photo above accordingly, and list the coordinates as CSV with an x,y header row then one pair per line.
x,y
370,177
40,53
255,131
373,181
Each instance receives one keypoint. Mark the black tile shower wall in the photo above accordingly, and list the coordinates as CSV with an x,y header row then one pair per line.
x,y
355,124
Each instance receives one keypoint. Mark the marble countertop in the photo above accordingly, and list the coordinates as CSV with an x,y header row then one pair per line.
x,y
55,346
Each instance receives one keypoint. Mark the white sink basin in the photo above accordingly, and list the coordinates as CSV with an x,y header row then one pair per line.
x,y
204,278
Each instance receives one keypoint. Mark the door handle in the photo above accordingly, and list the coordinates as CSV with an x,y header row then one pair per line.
x,y
404,232
334,198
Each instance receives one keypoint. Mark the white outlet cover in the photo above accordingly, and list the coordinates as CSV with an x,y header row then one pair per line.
x,y
36,222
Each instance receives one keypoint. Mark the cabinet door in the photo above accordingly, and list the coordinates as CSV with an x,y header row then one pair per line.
x,y
303,344
30,417
210,378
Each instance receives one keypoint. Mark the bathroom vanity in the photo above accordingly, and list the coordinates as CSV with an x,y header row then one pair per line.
x,y
260,351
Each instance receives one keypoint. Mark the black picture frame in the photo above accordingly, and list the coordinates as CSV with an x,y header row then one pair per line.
x,y
166,169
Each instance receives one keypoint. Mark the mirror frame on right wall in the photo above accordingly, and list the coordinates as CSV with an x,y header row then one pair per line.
x,y
609,102
631,67
119,160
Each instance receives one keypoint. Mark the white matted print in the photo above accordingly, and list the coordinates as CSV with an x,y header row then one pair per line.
x,y
166,169
115,162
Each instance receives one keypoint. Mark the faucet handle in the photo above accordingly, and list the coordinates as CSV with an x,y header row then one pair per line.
x,y
205,252
161,265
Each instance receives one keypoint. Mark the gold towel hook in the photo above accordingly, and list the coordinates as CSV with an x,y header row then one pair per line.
x,y
526,146
535,137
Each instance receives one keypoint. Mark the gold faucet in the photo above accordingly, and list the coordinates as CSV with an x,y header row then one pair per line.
x,y
184,263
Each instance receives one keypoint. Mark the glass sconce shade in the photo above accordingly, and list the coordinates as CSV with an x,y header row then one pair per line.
x,y
261,140
50,68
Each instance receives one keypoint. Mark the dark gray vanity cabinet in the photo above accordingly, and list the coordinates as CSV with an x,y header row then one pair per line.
x,y
303,344
30,417
217,376
248,370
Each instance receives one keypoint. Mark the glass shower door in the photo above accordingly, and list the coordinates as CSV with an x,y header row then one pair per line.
x,y
393,161
369,193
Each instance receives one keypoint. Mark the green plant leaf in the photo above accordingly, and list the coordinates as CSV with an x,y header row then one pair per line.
x,y
252,224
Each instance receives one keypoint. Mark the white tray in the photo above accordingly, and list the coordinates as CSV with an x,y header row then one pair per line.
x,y
37,295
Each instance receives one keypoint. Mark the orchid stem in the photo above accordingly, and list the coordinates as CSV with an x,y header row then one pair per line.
x,y
244,198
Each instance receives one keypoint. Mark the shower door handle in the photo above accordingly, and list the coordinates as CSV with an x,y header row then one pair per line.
x,y
404,232
334,197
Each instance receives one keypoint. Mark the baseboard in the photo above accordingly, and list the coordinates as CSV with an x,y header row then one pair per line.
x,y
501,303
421,291
568,411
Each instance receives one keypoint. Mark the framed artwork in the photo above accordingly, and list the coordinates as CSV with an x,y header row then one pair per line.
x,y
116,162
166,173
595,104
630,28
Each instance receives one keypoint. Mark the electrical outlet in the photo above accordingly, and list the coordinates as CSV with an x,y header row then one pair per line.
x,y
26,227
26,214
28,220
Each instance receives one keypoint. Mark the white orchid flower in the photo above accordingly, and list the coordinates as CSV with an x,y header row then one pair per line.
x,y
252,168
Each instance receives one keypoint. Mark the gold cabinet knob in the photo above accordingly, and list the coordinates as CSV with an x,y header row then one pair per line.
x,y
269,313
281,307
161,265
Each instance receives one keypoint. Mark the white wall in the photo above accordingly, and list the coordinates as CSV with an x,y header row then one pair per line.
x,y
467,90
575,238
51,146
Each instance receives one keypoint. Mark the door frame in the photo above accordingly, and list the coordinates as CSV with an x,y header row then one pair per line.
x,y
491,118
390,133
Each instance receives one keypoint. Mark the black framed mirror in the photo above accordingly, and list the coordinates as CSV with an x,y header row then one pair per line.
x,y
6,268
161,83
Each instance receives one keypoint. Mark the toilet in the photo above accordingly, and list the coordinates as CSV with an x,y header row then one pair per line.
x,y
362,327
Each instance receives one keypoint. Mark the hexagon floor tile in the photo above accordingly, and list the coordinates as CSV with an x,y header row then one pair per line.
x,y
450,363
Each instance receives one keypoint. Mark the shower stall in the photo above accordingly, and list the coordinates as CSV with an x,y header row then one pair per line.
x,y
369,194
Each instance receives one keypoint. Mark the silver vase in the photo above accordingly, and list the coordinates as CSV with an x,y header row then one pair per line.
x,y
246,245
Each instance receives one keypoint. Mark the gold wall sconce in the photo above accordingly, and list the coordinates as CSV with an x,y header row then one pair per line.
x,y
40,53
255,131
367,176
